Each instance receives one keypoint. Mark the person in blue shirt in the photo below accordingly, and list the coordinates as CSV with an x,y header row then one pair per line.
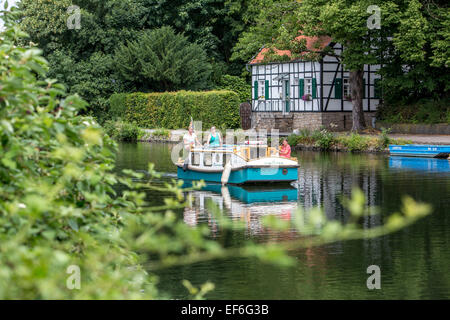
x,y
214,138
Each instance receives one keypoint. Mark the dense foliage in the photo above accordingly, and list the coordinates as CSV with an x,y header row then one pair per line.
x,y
84,59
173,110
122,131
161,60
238,85
426,111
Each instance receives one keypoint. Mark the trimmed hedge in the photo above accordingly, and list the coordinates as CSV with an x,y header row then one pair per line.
x,y
117,106
173,110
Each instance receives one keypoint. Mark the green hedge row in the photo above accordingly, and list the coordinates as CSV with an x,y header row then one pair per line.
x,y
173,110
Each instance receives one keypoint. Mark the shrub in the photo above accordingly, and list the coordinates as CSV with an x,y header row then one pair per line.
x,y
293,139
173,110
161,133
383,139
324,139
356,142
122,131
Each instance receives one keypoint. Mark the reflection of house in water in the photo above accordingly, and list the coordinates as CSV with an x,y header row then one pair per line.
x,y
246,204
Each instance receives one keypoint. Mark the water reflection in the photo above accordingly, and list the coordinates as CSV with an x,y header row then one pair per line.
x,y
430,165
241,203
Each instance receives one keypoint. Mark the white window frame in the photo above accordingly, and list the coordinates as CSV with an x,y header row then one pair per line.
x,y
346,90
308,86
261,89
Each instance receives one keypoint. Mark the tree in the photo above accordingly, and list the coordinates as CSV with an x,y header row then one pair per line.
x,y
403,39
73,54
164,61
265,18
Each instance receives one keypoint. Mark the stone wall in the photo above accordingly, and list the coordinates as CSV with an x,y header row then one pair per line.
x,y
334,121
343,121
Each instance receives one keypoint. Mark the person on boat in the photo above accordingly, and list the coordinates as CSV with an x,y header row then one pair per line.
x,y
285,150
214,138
190,139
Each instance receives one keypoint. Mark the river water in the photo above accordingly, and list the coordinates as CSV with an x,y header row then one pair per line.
x,y
414,262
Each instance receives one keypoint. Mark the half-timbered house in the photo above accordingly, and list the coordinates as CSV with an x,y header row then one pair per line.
x,y
301,93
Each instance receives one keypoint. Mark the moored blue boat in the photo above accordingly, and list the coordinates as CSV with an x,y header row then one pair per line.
x,y
238,165
420,150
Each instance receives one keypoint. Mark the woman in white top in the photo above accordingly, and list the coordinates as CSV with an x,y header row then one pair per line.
x,y
190,139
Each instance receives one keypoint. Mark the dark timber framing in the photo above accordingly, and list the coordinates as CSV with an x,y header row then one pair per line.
x,y
296,104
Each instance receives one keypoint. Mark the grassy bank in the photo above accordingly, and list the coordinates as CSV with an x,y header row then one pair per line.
x,y
318,140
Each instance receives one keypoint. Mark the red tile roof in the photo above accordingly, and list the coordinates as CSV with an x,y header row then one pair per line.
x,y
312,44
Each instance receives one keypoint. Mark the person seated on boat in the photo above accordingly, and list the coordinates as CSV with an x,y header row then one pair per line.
x,y
214,139
190,139
285,150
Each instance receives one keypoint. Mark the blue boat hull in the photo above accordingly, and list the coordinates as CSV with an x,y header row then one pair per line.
x,y
244,175
253,194
412,150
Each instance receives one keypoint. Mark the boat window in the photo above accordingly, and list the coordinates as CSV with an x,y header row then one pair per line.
x,y
195,160
207,159
253,153
262,152
217,159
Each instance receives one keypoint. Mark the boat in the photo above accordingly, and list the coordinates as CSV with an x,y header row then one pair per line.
x,y
237,164
420,150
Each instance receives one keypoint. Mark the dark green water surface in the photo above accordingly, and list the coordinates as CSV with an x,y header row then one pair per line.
x,y
414,262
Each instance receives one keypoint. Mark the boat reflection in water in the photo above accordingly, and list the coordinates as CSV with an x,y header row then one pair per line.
x,y
430,165
241,203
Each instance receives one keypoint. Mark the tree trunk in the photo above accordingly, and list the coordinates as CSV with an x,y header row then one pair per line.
x,y
357,88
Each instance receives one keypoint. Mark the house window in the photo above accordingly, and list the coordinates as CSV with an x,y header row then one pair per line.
x,y
308,86
261,89
346,88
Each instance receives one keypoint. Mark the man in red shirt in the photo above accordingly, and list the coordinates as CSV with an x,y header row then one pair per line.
x,y
285,150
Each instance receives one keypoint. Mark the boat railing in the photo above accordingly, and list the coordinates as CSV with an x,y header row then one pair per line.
x,y
246,152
